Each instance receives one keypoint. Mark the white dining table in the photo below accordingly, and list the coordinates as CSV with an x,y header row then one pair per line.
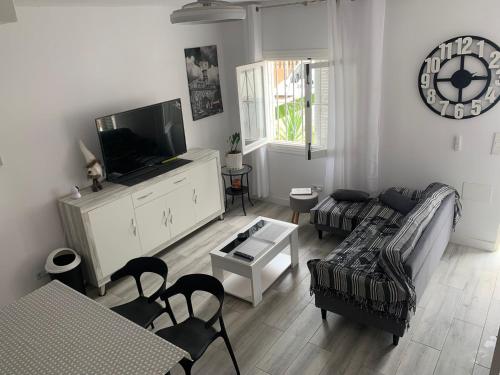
x,y
57,330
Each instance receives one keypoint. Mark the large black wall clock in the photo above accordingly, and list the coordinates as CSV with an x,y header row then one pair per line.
x,y
460,78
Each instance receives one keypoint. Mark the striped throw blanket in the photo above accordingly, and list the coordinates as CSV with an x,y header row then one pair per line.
x,y
345,215
366,269
340,214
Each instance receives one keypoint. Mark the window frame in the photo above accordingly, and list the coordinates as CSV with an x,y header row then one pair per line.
x,y
296,148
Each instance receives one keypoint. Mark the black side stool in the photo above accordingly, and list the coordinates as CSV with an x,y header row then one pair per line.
x,y
234,191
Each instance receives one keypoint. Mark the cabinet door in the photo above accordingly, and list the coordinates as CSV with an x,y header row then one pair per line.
x,y
152,224
206,189
180,210
115,235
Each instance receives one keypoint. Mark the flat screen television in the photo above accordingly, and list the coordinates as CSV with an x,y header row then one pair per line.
x,y
141,141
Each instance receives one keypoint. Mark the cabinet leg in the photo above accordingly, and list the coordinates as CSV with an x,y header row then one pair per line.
x,y
395,340
218,273
221,217
256,287
294,248
102,290
323,314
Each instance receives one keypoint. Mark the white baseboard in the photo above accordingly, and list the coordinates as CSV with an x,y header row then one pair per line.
x,y
282,201
473,242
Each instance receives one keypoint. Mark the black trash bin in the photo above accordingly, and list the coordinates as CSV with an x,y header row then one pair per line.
x,y
65,265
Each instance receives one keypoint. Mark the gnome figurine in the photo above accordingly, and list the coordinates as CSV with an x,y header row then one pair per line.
x,y
94,168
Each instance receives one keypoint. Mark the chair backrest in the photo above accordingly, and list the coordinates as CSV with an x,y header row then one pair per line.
x,y
188,284
137,266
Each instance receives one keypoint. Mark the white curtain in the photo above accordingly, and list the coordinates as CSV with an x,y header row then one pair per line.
x,y
356,35
259,179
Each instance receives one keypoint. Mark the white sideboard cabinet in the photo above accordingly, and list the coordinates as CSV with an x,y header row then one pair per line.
x,y
118,223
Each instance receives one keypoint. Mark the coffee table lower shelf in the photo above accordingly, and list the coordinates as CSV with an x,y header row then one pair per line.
x,y
241,287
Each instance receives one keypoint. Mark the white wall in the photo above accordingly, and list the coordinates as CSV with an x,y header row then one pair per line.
x,y
288,171
63,66
7,11
416,143
288,29
295,27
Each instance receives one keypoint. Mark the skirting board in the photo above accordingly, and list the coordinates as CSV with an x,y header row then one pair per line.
x,y
241,287
282,201
473,242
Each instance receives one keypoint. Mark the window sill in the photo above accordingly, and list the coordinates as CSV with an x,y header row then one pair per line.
x,y
295,149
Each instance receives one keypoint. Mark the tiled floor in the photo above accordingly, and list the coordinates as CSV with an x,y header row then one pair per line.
x,y
453,332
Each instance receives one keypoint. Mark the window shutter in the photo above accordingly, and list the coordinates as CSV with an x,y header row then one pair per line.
x,y
254,107
316,119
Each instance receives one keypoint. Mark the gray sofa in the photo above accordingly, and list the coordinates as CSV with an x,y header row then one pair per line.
x,y
419,266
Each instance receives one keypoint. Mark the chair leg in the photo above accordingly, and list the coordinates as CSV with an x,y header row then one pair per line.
x,y
152,325
170,313
186,365
320,234
230,350
395,340
323,314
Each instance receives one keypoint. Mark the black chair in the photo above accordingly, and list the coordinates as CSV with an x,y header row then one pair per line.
x,y
143,310
194,335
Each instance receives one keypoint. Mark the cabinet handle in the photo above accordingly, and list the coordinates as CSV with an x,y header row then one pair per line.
x,y
145,196
179,181
196,198
171,219
165,221
134,227
194,195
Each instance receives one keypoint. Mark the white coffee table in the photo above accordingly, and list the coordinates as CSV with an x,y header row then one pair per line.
x,y
249,279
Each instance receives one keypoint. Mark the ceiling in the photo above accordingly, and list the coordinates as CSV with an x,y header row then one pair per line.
x,y
120,2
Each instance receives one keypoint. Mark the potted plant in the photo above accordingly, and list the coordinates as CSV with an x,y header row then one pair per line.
x,y
234,157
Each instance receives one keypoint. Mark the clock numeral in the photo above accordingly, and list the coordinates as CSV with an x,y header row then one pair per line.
x,y
480,44
459,111
497,81
446,51
431,96
476,108
445,104
495,63
433,64
425,81
463,45
490,95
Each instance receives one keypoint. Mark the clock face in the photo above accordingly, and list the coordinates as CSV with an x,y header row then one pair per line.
x,y
460,78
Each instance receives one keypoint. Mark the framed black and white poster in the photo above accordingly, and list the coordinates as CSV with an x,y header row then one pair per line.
x,y
202,67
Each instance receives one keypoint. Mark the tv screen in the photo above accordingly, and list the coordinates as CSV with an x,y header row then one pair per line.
x,y
141,137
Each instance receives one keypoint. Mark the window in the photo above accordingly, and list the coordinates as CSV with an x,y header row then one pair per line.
x,y
284,102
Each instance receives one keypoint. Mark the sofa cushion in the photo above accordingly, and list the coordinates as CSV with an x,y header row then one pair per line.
x,y
397,201
350,195
341,215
